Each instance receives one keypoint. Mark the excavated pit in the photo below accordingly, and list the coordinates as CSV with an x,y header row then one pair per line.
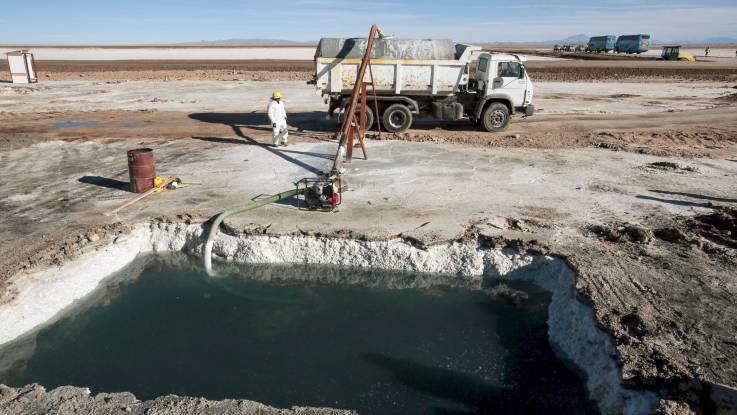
x,y
48,299
288,335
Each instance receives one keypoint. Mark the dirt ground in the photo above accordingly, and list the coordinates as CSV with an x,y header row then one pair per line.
x,y
224,70
629,69
700,134
685,119
34,399
641,203
300,69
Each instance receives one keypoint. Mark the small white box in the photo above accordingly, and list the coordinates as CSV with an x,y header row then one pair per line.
x,y
22,67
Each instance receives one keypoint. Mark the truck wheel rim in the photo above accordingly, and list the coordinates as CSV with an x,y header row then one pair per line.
x,y
397,119
497,118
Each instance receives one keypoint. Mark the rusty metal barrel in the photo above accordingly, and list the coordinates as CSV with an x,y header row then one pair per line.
x,y
141,169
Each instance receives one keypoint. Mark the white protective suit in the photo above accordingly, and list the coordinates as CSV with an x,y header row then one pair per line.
x,y
278,118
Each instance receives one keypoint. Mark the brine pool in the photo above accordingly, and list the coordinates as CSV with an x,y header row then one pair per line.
x,y
288,335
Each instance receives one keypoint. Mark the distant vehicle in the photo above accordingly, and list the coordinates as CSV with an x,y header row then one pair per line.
x,y
557,48
600,44
569,48
673,53
632,44
581,48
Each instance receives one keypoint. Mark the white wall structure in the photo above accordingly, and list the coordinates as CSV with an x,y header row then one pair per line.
x,y
22,67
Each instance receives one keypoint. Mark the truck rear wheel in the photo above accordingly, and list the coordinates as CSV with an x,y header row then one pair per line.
x,y
495,117
369,117
397,118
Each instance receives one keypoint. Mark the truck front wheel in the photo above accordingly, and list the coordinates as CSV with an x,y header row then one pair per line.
x,y
397,118
495,117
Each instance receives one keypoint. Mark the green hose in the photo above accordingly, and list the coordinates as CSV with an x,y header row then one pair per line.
x,y
234,211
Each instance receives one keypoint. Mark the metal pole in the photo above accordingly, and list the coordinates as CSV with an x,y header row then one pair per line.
x,y
376,101
351,135
362,123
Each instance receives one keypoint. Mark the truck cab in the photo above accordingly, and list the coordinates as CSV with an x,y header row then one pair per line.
x,y
501,82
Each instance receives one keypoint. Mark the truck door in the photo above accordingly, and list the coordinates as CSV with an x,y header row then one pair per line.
x,y
510,79
482,74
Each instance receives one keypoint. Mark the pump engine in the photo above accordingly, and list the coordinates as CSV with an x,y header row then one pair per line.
x,y
319,194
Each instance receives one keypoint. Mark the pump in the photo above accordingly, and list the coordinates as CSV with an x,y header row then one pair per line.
x,y
319,194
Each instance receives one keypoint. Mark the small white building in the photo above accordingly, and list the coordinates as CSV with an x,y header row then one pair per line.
x,y
22,67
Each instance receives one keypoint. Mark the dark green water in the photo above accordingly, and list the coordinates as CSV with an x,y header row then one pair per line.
x,y
172,330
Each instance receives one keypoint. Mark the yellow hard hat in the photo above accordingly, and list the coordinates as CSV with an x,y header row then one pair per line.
x,y
276,95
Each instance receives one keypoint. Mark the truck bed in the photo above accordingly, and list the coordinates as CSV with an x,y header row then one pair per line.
x,y
336,73
409,77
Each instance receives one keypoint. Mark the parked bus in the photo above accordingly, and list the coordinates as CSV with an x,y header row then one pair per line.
x,y
632,44
602,43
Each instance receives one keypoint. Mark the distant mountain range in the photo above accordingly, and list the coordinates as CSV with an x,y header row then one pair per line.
x,y
579,38
238,41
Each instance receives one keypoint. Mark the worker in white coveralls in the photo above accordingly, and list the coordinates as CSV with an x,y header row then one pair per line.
x,y
278,118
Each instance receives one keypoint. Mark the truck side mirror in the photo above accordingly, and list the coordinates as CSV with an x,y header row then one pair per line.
x,y
521,72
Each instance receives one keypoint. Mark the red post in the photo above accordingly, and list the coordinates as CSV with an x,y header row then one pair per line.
x,y
362,125
351,131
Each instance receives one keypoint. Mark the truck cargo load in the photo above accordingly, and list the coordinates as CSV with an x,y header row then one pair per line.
x,y
422,49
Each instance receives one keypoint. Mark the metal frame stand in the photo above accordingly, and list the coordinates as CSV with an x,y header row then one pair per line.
x,y
352,125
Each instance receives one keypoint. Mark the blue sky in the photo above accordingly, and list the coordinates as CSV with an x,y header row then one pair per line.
x,y
170,21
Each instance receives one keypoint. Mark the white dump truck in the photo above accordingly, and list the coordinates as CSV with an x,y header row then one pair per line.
x,y
425,77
